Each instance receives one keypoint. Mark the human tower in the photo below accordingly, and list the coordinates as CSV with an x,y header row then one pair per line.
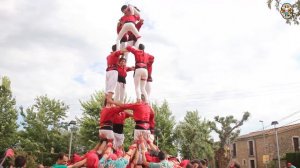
x,y
115,111
113,115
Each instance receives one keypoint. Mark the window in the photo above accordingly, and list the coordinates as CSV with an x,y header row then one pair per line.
x,y
296,144
252,163
251,148
234,150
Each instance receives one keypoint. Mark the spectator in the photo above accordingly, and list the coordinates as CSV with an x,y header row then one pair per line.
x,y
40,166
206,163
196,163
289,165
234,164
162,157
20,162
61,162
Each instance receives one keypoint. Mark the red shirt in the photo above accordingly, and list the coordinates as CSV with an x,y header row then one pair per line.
x,y
141,111
92,159
138,26
150,158
120,118
140,56
112,60
128,18
149,67
122,71
107,115
152,119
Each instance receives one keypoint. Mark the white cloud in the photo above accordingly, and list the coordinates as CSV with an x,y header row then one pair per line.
x,y
222,58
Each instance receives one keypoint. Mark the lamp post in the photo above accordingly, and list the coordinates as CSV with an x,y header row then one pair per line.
x,y
265,149
71,137
277,145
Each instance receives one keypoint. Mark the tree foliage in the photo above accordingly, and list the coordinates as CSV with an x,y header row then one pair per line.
x,y
296,7
193,137
89,123
165,123
228,132
8,116
44,129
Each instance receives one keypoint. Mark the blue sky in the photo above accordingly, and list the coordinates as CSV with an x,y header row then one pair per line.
x,y
220,58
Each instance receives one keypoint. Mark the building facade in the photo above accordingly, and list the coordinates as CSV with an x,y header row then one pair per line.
x,y
259,150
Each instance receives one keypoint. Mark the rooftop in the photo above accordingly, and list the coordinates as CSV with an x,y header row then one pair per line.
x,y
269,131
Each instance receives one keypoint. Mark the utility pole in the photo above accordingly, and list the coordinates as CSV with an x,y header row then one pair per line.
x,y
71,137
277,144
264,135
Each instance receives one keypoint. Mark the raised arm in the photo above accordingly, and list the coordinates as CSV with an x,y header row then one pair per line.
x,y
118,53
128,114
131,49
130,69
144,150
136,157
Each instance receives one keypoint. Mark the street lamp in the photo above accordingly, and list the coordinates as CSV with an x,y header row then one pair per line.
x,y
72,122
278,156
265,149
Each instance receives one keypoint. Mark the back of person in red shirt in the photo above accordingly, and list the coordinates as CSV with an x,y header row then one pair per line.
x,y
107,114
112,74
141,116
121,85
140,73
118,125
128,21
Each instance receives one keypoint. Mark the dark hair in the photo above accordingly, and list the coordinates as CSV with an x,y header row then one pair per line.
x,y
161,155
20,161
189,165
137,8
101,140
196,161
61,156
236,165
142,47
123,7
203,162
122,58
114,47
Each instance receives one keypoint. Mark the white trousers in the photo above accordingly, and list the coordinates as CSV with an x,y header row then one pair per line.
x,y
108,134
126,28
119,140
111,81
145,133
120,92
140,79
148,88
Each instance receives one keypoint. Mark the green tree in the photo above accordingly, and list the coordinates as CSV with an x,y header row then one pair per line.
x,y
165,124
89,123
228,132
44,128
193,137
295,6
128,132
8,116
